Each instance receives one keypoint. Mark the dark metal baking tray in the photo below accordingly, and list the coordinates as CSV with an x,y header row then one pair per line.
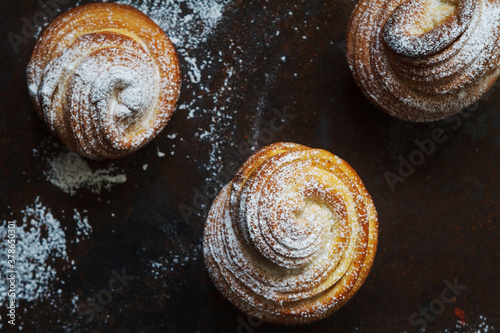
x,y
244,63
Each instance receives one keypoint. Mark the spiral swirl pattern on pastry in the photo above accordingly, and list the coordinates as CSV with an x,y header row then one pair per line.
x,y
105,79
293,236
424,60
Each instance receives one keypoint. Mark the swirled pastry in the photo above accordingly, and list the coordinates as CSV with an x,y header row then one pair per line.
x,y
293,236
105,79
424,60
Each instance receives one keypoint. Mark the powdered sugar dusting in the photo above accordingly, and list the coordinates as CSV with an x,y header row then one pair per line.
x,y
70,172
480,325
40,249
83,228
172,260
185,30
190,24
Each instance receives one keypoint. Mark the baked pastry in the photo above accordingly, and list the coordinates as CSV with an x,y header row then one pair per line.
x,y
424,60
293,236
105,79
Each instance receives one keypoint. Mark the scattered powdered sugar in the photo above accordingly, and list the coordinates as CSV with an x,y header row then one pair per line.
x,y
194,72
160,154
480,325
166,272
483,326
83,228
189,24
175,259
70,172
185,29
40,244
41,252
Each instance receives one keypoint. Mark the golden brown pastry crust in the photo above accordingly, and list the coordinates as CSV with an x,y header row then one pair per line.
x,y
293,237
424,60
105,79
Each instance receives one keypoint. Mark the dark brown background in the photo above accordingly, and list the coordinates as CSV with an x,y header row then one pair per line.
x,y
440,224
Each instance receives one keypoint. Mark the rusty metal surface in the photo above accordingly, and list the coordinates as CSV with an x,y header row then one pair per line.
x,y
439,224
